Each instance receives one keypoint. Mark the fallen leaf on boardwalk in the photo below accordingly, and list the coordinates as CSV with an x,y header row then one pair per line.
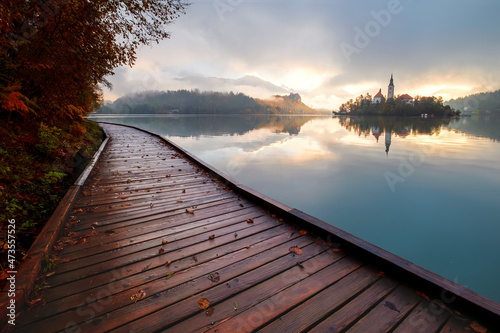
x,y
168,263
78,210
478,328
146,268
211,237
189,211
295,249
391,306
336,249
302,232
160,251
235,234
164,241
248,246
423,295
86,192
50,274
215,277
235,306
210,311
138,296
169,275
203,303
281,220
151,205
178,201
183,191
168,176
241,205
34,302
250,221
273,216
129,181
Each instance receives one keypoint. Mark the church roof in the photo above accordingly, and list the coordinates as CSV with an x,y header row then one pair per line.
x,y
405,96
379,94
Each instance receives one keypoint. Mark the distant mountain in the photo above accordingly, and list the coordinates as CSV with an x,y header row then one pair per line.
x,y
196,102
249,85
478,103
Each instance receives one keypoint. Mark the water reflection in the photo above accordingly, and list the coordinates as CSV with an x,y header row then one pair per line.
x,y
427,190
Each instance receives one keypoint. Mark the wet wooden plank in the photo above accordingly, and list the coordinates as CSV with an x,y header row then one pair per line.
x,y
355,309
388,313
260,284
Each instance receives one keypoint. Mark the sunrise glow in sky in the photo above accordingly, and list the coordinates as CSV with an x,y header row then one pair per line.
x,y
326,50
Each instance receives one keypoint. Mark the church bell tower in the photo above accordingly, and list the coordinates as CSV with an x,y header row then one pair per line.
x,y
390,93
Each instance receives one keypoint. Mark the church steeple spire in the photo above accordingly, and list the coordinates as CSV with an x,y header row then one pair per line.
x,y
390,92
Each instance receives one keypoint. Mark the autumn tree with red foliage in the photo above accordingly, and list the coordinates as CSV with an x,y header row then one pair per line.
x,y
54,55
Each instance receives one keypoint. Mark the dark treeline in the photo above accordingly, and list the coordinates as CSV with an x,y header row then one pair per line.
x,y
482,103
196,102
365,106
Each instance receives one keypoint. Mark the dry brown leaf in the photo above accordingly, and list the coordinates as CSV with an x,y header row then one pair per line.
x,y
168,263
138,296
164,241
250,221
478,328
189,211
179,201
168,176
210,311
211,237
183,191
273,215
302,232
295,249
129,181
336,249
215,277
161,251
203,303
241,205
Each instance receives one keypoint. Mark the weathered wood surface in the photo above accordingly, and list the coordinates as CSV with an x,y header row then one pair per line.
x,y
152,233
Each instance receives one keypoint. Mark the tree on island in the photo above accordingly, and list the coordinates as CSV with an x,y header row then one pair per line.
x,y
364,106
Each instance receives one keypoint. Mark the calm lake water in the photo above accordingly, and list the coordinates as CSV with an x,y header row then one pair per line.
x,y
427,190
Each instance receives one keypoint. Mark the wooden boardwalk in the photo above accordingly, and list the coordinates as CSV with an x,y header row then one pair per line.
x,y
153,233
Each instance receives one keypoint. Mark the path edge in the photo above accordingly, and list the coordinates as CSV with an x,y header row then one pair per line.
x,y
30,267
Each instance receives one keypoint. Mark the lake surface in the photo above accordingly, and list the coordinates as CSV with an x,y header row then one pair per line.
x,y
424,189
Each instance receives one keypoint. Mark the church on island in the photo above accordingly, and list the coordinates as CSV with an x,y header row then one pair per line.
x,y
390,94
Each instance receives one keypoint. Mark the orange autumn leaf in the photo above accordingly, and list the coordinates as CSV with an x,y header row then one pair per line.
x,y
211,237
250,221
423,295
168,263
203,303
164,241
478,328
302,232
189,211
295,249
161,251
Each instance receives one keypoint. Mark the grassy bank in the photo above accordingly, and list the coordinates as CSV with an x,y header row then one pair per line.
x,y
38,163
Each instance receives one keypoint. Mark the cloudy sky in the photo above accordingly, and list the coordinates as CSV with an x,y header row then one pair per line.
x,y
326,50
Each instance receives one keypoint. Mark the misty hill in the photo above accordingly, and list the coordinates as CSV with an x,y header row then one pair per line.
x,y
478,103
196,102
249,85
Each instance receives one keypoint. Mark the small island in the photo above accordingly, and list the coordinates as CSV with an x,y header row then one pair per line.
x,y
402,105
